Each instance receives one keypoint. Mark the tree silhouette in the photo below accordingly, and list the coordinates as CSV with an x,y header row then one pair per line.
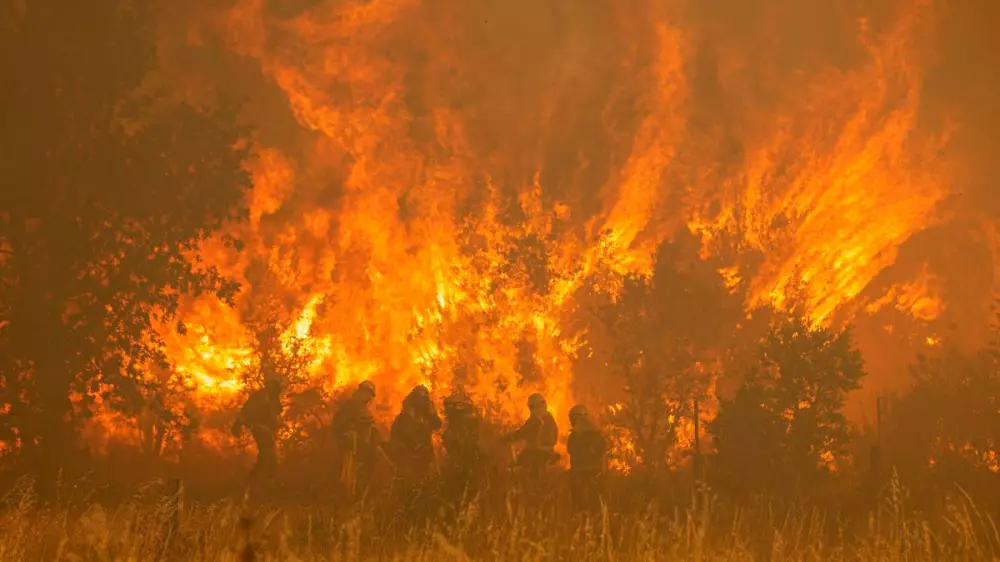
x,y
662,333
105,192
657,368
947,428
784,431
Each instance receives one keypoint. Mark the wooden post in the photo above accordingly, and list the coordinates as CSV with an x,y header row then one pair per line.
x,y
697,441
878,420
875,453
697,461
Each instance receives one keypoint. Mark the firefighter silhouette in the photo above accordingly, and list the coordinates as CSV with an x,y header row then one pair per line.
x,y
358,439
587,449
539,435
410,437
261,414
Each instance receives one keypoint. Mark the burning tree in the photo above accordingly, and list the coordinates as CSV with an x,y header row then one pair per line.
x,y
278,347
785,430
158,399
284,355
107,190
281,349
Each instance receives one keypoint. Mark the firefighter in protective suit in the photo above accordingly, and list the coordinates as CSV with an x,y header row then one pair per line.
x,y
358,439
410,436
466,459
539,435
261,414
587,449
461,434
412,450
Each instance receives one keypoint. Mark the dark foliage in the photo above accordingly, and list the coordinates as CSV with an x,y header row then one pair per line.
x,y
665,334
105,193
946,429
785,430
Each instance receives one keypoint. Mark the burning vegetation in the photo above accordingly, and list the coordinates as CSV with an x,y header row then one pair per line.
x,y
728,232
415,231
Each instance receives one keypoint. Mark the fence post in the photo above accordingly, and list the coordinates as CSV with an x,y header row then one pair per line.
x,y
875,453
697,462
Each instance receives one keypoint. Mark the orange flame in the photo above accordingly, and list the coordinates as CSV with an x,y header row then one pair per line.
x,y
421,226
916,298
840,180
405,302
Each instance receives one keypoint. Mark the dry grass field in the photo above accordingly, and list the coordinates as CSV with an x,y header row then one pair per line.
x,y
148,525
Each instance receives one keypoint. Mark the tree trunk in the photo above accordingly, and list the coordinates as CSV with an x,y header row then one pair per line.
x,y
55,430
53,414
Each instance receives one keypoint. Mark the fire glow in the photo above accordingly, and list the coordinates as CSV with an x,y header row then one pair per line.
x,y
422,225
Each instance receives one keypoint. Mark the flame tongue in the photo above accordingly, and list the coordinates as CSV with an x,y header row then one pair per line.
x,y
842,180
425,275
460,171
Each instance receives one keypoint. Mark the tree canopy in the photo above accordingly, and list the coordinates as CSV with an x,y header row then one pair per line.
x,y
784,429
947,427
665,336
106,191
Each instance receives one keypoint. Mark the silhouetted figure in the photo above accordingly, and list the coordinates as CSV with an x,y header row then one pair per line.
x,y
410,436
587,449
539,435
466,459
412,449
358,439
461,434
261,414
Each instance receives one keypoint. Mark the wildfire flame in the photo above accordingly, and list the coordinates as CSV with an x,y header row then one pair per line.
x,y
916,298
840,180
432,218
412,300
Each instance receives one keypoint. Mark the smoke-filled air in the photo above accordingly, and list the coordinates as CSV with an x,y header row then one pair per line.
x,y
499,280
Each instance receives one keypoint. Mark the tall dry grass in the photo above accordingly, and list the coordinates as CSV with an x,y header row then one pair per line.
x,y
503,526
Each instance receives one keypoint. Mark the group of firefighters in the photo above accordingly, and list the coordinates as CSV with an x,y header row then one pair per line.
x,y
409,447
